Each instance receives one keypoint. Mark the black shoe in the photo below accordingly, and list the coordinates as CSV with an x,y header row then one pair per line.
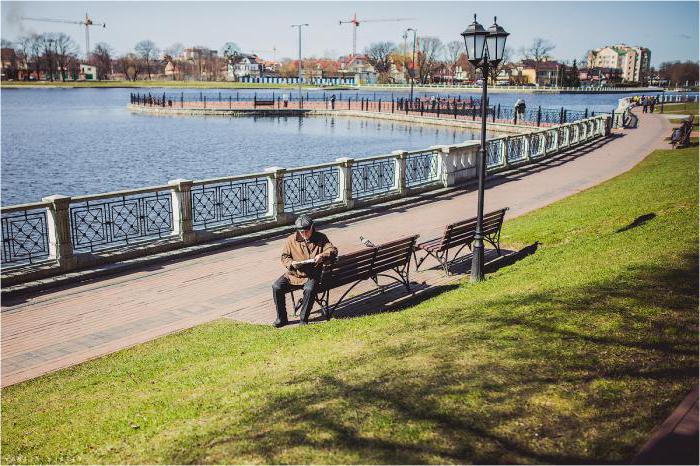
x,y
279,323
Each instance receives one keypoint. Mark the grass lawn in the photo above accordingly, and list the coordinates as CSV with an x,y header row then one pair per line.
x,y
177,84
690,108
571,355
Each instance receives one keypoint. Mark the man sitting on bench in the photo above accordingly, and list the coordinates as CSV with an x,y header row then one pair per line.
x,y
303,255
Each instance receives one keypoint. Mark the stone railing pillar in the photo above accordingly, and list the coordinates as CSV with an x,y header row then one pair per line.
x,y
345,181
276,194
181,200
60,245
446,164
401,156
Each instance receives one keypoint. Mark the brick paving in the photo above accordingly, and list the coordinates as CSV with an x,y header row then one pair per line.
x,y
50,330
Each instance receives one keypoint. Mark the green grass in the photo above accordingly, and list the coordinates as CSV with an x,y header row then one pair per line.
x,y
571,355
690,108
177,84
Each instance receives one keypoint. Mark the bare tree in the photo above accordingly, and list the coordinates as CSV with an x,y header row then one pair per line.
x,y
102,58
129,65
379,56
65,48
427,57
453,50
147,50
174,50
230,49
46,44
537,51
494,71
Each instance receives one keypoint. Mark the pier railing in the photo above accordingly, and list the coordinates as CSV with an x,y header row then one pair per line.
x,y
446,107
61,233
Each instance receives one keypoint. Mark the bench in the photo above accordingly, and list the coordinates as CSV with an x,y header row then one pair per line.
x,y
263,103
459,235
390,260
681,135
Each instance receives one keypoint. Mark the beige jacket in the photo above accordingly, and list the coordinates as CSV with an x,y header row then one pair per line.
x,y
297,249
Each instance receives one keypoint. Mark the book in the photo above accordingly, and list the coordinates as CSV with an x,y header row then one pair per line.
x,y
301,263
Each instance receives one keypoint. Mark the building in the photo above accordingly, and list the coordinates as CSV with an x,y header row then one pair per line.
x,y
195,53
544,73
357,67
87,72
244,66
599,76
13,68
634,62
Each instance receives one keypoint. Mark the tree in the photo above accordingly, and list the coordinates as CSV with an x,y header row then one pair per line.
x,y
46,42
129,65
174,50
102,58
427,57
147,50
65,48
537,51
229,50
494,71
679,73
453,50
379,56
6,44
30,47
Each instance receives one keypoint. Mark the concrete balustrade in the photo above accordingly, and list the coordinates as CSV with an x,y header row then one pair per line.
x,y
134,223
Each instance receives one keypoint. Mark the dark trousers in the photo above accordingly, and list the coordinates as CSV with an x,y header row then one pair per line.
x,y
282,286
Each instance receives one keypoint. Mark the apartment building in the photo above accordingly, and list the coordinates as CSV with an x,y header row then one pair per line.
x,y
634,62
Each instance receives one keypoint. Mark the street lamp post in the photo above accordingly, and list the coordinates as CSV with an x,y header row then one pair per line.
x,y
484,49
299,26
413,61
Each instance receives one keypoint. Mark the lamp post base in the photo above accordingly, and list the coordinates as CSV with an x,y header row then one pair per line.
x,y
477,273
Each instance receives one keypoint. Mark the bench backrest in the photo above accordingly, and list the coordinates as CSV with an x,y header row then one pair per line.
x,y
368,262
459,233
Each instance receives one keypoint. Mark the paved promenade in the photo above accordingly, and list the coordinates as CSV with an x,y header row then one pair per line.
x,y
63,327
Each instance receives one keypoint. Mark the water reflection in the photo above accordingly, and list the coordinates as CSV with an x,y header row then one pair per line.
x,y
96,145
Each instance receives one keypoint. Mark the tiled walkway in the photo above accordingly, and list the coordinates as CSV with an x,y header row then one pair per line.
x,y
56,329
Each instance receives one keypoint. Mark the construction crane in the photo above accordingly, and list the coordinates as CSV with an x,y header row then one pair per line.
x,y
356,23
87,22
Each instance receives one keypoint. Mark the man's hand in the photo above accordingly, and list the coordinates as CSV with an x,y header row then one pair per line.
x,y
318,259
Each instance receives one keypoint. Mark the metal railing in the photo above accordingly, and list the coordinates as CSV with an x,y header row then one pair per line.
x,y
452,107
73,232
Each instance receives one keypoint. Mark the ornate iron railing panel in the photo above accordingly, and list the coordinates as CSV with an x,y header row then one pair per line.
x,y
372,177
535,145
494,153
421,168
517,147
25,237
573,134
550,138
103,223
563,137
230,202
310,188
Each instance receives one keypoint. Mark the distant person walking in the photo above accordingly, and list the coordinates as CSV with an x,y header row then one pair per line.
x,y
520,108
333,102
645,105
652,103
285,99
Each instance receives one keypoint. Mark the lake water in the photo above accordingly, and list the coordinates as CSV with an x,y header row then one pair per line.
x,y
84,141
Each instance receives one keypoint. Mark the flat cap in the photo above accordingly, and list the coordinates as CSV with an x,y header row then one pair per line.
x,y
304,222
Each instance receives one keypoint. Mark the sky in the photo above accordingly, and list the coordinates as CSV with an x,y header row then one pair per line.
x,y
669,29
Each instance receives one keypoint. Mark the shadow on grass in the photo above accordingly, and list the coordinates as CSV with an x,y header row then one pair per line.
x,y
485,385
641,220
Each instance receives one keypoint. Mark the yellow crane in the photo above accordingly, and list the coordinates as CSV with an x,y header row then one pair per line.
x,y
356,23
87,22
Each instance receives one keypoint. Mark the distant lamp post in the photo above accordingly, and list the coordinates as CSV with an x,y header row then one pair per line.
x,y
484,49
413,61
299,26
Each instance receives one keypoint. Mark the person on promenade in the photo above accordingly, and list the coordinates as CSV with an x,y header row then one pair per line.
x,y
652,103
520,108
645,104
303,255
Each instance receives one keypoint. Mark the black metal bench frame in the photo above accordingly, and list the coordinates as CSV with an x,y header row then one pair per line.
x,y
374,262
680,137
261,103
460,235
